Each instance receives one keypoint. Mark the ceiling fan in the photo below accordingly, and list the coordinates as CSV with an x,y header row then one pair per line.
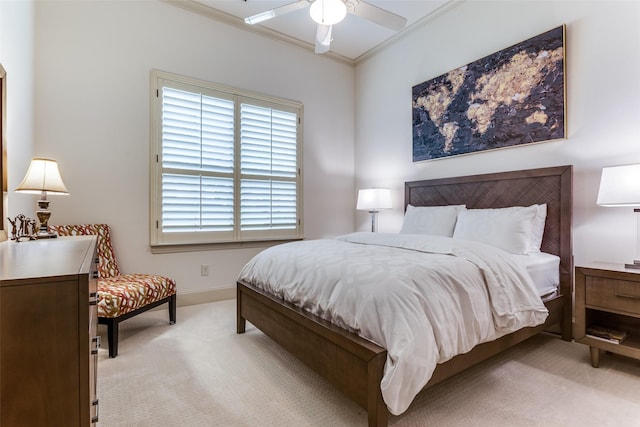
x,y
327,13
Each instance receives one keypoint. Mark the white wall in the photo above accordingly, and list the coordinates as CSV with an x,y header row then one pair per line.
x,y
603,103
93,60
16,56
84,101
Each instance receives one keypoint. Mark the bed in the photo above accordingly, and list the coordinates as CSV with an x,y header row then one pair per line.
x,y
356,365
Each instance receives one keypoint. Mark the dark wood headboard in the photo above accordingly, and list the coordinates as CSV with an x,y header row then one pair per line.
x,y
552,186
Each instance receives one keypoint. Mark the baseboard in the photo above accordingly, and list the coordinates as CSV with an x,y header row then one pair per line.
x,y
209,295
201,297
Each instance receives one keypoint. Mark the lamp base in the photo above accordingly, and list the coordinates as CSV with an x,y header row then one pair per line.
x,y
43,215
374,223
635,265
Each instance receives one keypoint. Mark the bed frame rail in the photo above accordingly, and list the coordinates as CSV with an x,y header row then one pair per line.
x,y
352,364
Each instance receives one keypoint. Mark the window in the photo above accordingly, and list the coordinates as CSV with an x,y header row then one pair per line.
x,y
226,164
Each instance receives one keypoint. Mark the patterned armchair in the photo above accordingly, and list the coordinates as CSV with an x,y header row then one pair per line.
x,y
121,296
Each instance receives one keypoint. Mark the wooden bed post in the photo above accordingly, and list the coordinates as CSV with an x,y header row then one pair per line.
x,y
241,323
378,414
567,270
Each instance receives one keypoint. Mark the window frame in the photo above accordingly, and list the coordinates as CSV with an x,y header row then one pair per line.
x,y
198,240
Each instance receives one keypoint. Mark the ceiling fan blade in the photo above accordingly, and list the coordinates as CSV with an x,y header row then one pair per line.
x,y
269,14
323,38
377,15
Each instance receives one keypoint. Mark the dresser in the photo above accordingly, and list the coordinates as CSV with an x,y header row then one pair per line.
x,y
48,332
607,296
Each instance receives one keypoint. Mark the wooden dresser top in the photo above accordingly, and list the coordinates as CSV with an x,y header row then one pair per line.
x,y
46,258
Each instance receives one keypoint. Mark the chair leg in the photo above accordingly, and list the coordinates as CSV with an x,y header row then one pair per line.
x,y
112,336
172,309
113,322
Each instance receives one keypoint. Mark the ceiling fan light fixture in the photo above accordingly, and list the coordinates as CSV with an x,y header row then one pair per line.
x,y
328,12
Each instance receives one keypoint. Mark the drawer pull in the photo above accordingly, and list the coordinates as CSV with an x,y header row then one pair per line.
x,y
96,341
628,296
94,419
95,275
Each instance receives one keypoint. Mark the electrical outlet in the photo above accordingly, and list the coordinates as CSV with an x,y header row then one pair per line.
x,y
204,270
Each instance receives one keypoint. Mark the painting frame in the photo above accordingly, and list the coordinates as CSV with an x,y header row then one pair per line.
x,y
513,97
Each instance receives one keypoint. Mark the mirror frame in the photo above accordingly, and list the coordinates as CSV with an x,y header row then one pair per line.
x,y
3,147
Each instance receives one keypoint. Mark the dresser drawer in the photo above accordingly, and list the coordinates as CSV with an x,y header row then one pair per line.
x,y
616,295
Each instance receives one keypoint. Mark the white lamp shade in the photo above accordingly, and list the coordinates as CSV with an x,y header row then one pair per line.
x,y
328,12
42,175
620,186
374,199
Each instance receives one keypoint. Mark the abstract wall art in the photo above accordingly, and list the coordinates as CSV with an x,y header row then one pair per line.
x,y
512,97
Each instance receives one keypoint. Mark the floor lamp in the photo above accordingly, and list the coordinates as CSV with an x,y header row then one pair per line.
x,y
372,200
620,187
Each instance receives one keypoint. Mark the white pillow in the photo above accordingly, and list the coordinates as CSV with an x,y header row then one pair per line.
x,y
433,220
506,228
537,228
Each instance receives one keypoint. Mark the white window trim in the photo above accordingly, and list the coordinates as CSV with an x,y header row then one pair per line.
x,y
180,242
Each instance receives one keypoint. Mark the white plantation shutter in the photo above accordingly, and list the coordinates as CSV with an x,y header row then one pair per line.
x,y
268,204
197,162
268,164
226,164
196,203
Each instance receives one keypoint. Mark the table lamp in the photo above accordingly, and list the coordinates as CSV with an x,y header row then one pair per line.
x,y
620,187
43,177
373,199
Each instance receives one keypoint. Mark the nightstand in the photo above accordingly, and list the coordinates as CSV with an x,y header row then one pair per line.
x,y
608,295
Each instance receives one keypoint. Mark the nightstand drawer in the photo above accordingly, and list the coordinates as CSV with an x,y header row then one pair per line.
x,y
611,294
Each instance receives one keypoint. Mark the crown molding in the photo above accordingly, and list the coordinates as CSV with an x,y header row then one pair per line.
x,y
218,15
432,16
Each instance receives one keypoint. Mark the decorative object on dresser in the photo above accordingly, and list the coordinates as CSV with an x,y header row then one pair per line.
x,y
122,296
372,200
608,310
48,318
43,177
620,187
356,365
23,227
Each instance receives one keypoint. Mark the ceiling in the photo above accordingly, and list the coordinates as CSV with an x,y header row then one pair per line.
x,y
353,38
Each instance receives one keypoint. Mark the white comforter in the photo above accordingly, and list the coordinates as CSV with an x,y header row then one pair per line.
x,y
423,298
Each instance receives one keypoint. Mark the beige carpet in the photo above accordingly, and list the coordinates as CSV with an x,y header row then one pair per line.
x,y
200,373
